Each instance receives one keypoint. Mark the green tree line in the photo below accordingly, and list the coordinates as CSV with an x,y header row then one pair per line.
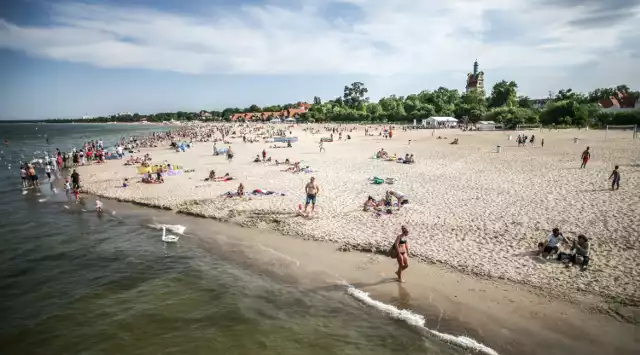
x,y
503,105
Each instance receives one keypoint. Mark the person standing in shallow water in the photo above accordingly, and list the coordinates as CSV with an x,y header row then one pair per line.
x,y
402,249
586,155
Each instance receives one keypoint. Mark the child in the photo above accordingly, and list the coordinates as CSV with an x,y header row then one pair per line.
x,y
98,206
67,188
76,192
125,183
615,175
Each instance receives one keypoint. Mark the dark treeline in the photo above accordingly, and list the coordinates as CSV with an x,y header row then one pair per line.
x,y
503,105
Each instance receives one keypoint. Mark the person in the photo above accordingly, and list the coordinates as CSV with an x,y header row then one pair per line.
x,y
229,154
586,155
402,250
369,204
75,179
312,190
615,175
23,176
34,176
551,246
240,190
67,188
76,193
98,206
257,159
542,143
47,170
264,154
321,146
402,199
581,248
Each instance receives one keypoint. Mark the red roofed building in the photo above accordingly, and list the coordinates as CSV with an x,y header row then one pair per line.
x,y
303,107
623,100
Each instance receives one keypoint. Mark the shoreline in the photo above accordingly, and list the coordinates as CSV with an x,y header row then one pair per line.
x,y
506,317
593,303
341,221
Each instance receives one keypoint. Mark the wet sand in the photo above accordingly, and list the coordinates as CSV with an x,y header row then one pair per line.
x,y
507,317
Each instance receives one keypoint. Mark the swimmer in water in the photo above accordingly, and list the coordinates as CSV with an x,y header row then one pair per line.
x,y
98,206
6,142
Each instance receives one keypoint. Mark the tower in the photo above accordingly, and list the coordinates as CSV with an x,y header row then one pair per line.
x,y
475,80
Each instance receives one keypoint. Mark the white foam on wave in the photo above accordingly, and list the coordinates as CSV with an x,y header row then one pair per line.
x,y
175,228
418,320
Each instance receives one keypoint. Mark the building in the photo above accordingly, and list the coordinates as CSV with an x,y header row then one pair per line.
x,y
303,107
622,100
475,80
205,115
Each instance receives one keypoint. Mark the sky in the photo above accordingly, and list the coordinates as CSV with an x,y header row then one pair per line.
x,y
99,57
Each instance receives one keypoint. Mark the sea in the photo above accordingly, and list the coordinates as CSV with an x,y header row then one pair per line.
x,y
73,281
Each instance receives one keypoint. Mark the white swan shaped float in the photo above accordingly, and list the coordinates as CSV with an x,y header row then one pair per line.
x,y
168,238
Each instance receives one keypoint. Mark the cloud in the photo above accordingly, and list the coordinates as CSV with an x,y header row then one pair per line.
x,y
370,37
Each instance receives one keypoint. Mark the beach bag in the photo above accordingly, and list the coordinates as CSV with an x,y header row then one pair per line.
x,y
393,252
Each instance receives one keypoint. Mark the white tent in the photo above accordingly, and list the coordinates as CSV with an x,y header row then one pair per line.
x,y
290,119
486,126
275,120
442,121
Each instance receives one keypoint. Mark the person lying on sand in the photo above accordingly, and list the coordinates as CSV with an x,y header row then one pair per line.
x,y
381,154
455,141
293,168
551,245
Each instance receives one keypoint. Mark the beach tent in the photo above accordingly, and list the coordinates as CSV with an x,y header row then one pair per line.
x,y
290,120
442,121
486,126
275,120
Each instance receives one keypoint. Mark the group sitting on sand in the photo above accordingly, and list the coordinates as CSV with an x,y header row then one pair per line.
x,y
455,141
578,252
386,203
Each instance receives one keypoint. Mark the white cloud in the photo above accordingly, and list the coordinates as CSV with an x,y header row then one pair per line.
x,y
391,37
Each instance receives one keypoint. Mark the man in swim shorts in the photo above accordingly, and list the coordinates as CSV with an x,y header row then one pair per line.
x,y
312,189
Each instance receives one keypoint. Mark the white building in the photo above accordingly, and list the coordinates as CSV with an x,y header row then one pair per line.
x,y
442,122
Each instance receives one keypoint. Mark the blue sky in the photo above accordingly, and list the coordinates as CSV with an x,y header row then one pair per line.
x,y
97,57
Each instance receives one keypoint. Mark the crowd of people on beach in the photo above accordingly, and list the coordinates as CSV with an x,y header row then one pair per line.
x,y
555,247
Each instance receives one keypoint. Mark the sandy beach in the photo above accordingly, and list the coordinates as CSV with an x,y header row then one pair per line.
x,y
471,209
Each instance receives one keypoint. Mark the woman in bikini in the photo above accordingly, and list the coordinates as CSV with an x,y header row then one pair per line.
x,y
402,248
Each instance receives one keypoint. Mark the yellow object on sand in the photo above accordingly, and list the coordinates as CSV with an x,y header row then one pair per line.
x,y
154,168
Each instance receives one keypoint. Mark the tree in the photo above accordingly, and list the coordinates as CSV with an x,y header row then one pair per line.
x,y
317,100
525,102
254,108
472,106
354,95
503,94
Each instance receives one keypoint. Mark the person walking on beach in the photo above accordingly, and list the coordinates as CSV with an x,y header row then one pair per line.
x,y
586,155
321,146
229,154
402,252
312,190
542,143
47,170
615,175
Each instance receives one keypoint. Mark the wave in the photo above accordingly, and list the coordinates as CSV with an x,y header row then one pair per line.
x,y
418,320
175,228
